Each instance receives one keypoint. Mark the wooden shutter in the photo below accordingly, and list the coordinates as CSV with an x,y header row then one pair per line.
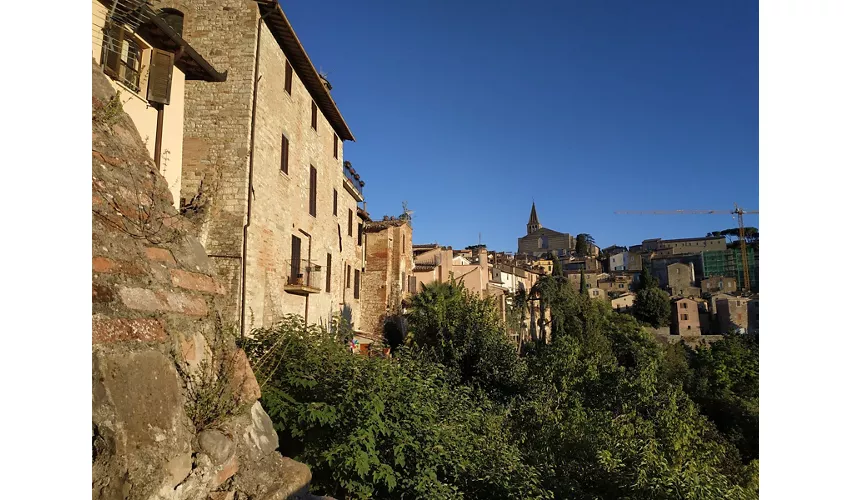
x,y
288,84
284,154
328,275
312,190
336,146
348,276
335,203
359,234
314,118
296,257
357,283
350,222
159,80
111,54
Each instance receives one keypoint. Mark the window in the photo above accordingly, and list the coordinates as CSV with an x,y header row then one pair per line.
x,y
288,82
328,275
295,269
359,234
348,276
335,201
683,305
357,283
312,190
284,154
350,222
621,285
336,146
122,57
314,118
684,317
403,242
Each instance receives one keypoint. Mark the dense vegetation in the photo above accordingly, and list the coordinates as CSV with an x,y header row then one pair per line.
x,y
601,411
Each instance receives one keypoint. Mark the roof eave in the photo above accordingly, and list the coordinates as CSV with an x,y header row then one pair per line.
x,y
208,73
288,41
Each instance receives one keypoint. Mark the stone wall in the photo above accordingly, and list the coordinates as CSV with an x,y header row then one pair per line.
x,y
155,304
217,152
389,262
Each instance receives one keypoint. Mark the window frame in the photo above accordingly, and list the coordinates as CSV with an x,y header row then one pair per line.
x,y
287,84
314,117
313,194
284,154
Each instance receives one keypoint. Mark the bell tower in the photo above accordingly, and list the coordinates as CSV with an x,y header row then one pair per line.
x,y
533,223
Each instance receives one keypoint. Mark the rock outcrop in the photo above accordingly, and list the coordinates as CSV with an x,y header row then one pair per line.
x,y
157,345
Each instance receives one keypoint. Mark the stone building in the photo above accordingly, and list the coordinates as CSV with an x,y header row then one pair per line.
x,y
388,277
732,314
624,302
271,131
680,280
540,241
714,284
148,63
690,245
685,317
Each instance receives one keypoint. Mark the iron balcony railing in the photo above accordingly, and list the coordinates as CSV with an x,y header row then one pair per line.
x,y
306,274
353,177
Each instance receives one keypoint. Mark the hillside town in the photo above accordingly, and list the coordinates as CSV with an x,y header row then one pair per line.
x,y
251,142
258,333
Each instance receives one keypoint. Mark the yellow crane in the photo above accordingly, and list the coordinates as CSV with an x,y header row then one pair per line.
x,y
738,211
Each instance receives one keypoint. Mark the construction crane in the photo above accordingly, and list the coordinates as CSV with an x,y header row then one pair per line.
x,y
738,211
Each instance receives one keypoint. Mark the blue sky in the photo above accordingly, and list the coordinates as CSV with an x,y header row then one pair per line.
x,y
468,110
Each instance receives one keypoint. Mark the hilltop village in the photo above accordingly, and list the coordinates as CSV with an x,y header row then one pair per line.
x,y
236,269
247,135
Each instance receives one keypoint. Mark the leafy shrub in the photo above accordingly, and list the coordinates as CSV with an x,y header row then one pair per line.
x,y
379,428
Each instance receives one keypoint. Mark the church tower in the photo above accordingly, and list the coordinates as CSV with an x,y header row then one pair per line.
x,y
533,223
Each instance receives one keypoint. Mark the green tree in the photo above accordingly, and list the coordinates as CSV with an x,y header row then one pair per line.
x,y
461,331
584,244
583,284
646,280
652,305
557,269
725,383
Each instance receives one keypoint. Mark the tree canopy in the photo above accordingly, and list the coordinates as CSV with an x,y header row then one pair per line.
x,y
598,410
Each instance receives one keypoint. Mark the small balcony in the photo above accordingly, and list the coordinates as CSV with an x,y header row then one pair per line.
x,y
352,182
304,278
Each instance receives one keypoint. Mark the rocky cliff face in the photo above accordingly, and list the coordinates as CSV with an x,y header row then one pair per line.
x,y
175,410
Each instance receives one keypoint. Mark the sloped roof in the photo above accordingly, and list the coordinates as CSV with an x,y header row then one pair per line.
x,y
287,39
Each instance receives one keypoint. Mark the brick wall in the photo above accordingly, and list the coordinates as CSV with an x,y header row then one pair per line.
x,y
389,264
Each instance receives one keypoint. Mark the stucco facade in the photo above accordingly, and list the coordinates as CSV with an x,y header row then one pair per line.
x,y
273,131
135,100
685,318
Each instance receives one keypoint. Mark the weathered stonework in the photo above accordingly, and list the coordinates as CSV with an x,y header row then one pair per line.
x,y
389,265
217,151
154,303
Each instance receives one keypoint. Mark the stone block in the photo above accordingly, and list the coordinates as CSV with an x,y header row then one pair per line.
x,y
186,304
244,382
229,469
177,469
106,265
160,255
216,445
138,415
195,281
141,299
260,436
108,330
